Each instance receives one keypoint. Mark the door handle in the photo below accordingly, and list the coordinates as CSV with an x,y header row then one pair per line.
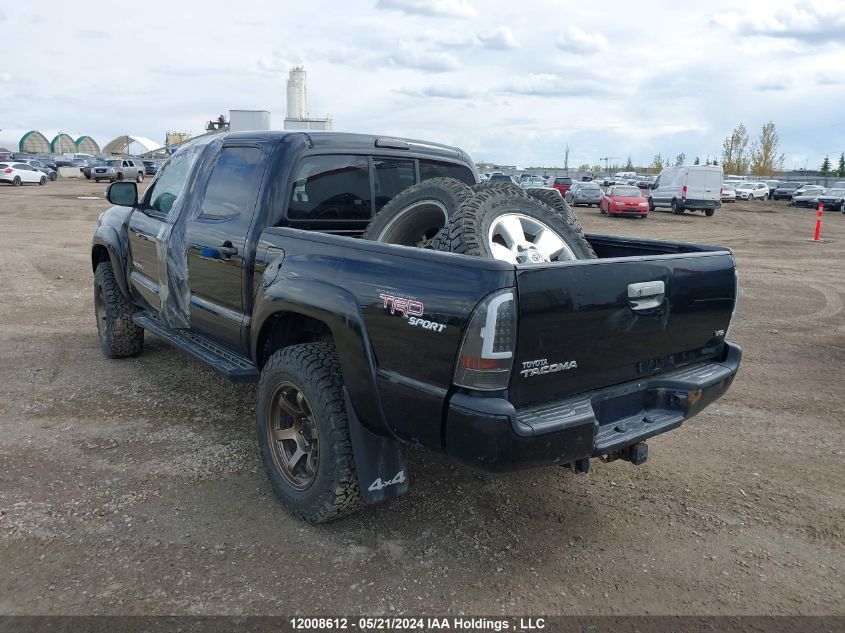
x,y
226,250
646,295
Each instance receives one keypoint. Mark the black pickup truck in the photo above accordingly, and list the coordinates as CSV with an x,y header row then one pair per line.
x,y
245,252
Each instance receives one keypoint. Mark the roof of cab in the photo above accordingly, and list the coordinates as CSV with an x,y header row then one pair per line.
x,y
352,142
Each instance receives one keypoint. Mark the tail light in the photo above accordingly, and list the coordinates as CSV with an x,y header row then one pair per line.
x,y
485,358
721,192
684,192
8,170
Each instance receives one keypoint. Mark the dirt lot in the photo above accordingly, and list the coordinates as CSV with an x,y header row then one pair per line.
x,y
135,486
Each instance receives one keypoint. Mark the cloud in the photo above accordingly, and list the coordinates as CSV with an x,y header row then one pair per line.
x,y
500,39
771,85
442,91
430,8
5,77
579,42
548,85
419,59
808,22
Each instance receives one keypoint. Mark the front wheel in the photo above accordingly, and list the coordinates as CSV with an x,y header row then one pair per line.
x,y
119,335
676,209
303,433
140,177
53,176
651,205
765,197
42,181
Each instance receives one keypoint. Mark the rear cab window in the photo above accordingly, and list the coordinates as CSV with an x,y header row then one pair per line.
x,y
333,188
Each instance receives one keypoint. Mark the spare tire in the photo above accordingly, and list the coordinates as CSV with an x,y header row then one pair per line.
x,y
553,199
516,228
487,185
415,216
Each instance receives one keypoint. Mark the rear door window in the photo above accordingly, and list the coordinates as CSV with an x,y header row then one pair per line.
x,y
335,187
232,182
436,169
390,177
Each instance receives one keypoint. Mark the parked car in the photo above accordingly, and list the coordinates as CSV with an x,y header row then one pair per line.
x,y
44,169
785,190
772,185
833,199
607,181
62,161
500,177
645,182
728,193
528,361
751,190
561,183
587,193
48,161
17,174
119,169
688,187
532,182
624,200
806,189
808,197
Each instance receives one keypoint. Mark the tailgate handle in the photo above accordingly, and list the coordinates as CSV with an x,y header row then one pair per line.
x,y
646,295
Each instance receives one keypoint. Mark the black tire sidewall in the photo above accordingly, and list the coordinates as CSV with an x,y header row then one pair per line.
x,y
323,390
447,193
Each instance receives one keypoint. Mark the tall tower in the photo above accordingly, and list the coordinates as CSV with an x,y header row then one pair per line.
x,y
296,94
297,118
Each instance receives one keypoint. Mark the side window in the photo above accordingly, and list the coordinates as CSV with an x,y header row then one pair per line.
x,y
437,168
232,182
170,182
392,176
333,187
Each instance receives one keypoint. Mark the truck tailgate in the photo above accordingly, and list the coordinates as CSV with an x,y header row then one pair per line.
x,y
591,324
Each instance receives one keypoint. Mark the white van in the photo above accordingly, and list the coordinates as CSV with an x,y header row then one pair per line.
x,y
693,187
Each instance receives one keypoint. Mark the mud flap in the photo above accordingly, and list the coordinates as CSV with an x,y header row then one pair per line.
x,y
380,462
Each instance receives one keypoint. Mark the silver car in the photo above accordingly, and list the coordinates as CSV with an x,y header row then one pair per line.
x,y
588,193
119,169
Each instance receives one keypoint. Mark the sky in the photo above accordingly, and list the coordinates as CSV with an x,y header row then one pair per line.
x,y
509,82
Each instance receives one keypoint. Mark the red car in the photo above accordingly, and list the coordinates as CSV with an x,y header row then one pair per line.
x,y
624,200
560,183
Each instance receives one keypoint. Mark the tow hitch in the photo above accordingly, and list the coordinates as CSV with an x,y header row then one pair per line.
x,y
636,454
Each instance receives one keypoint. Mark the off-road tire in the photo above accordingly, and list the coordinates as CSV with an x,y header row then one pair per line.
x,y
314,369
486,185
466,232
414,217
553,199
118,333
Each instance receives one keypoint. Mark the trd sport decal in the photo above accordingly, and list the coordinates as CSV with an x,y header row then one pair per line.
x,y
412,310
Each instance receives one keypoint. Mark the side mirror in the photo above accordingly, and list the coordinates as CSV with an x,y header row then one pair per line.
x,y
123,194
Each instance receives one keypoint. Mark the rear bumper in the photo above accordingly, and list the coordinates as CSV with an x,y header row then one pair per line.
x,y
490,434
701,205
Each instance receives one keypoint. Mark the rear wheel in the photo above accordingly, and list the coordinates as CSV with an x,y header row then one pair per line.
x,y
650,204
303,433
16,181
709,212
53,176
765,197
140,177
119,176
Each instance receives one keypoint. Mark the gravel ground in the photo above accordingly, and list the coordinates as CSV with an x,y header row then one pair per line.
x,y
135,487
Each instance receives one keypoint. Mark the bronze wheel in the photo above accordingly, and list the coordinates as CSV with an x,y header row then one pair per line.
x,y
292,436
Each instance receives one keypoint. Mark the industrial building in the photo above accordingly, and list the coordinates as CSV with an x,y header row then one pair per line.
x,y
47,142
297,118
